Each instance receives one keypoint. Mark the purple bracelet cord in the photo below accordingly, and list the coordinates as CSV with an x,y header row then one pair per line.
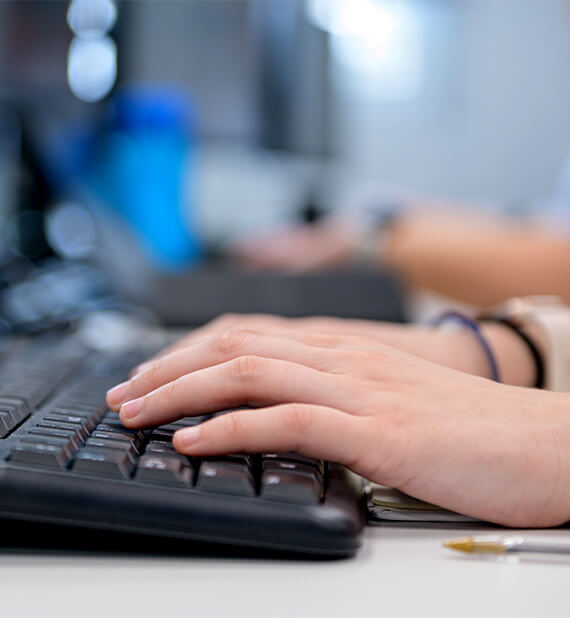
x,y
473,326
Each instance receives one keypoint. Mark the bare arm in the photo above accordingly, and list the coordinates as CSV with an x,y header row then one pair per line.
x,y
480,261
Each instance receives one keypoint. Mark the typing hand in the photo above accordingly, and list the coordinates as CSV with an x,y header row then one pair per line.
x,y
457,350
496,452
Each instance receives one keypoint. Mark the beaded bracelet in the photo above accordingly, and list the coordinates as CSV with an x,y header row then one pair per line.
x,y
473,326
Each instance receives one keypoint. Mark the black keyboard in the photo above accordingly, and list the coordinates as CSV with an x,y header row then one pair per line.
x,y
66,459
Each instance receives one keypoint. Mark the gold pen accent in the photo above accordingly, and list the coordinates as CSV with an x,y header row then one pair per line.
x,y
472,545
509,544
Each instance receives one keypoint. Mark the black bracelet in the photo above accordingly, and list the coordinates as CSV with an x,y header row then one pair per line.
x,y
530,344
473,326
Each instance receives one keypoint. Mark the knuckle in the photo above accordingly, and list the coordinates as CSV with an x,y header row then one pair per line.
x,y
168,392
230,341
246,368
152,372
235,427
298,419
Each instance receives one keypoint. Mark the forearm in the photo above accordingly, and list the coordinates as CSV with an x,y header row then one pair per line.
x,y
480,262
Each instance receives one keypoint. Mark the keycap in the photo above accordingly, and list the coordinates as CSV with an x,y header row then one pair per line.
x,y
291,483
172,427
13,411
225,476
6,423
188,421
138,435
80,409
18,404
10,414
40,454
71,435
160,435
89,416
113,420
167,470
288,458
79,429
120,437
160,447
111,416
79,421
127,447
103,462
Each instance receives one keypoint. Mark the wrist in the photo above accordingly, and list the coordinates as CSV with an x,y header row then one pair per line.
x,y
516,365
489,350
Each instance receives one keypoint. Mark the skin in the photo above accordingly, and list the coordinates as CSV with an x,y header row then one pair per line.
x,y
489,450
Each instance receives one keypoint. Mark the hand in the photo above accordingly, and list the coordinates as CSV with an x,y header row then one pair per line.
x,y
457,350
299,248
491,451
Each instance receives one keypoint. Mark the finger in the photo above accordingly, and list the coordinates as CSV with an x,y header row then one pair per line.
x,y
221,324
315,431
221,348
247,380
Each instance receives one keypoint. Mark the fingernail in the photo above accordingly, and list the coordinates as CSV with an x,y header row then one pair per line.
x,y
185,438
132,408
117,393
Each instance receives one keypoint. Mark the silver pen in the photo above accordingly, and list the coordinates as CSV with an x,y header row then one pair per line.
x,y
510,544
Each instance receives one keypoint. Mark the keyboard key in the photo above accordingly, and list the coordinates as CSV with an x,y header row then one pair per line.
x,y
13,411
75,427
64,443
119,437
295,457
187,421
139,436
160,435
160,447
71,435
127,447
111,416
6,423
169,470
79,421
172,427
38,454
291,483
88,411
225,476
88,416
18,404
10,414
103,462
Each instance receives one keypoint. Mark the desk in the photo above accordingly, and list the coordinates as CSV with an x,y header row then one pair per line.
x,y
400,571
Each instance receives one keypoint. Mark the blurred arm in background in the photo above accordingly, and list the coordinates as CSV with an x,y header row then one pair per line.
x,y
480,260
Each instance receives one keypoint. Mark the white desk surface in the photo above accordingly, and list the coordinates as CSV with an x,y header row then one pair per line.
x,y
400,571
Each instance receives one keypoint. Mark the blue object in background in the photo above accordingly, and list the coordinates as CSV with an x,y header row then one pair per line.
x,y
140,168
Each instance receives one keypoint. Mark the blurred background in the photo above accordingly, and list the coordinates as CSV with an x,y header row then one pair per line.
x,y
144,136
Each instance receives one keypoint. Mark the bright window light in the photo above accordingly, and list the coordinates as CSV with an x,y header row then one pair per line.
x,y
375,45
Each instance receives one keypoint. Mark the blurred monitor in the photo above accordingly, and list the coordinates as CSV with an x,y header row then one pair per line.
x,y
243,64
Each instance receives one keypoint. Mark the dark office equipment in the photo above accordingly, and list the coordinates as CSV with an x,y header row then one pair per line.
x,y
199,295
66,460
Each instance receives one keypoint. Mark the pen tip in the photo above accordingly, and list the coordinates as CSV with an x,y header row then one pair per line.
x,y
464,544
